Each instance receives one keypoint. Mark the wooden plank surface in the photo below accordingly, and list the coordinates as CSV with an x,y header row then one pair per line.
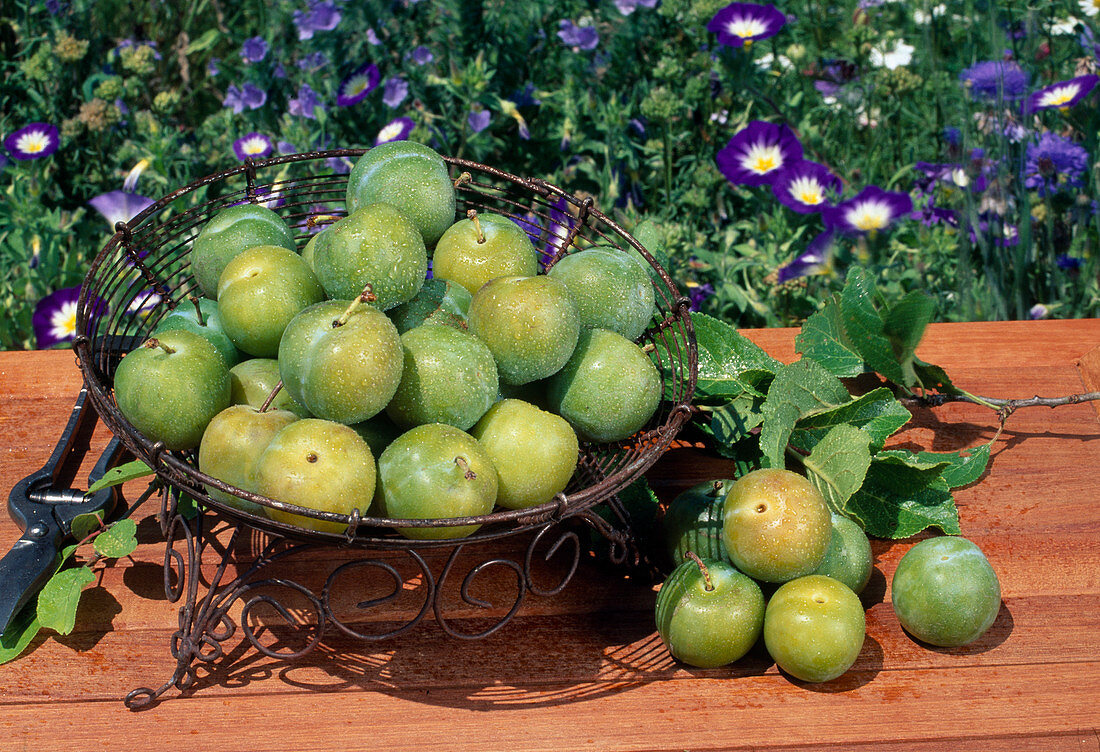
x,y
585,669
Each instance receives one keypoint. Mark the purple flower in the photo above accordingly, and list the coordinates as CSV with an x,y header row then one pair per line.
x,y
525,97
119,206
339,165
872,210
1068,263
478,120
359,83
144,303
812,260
306,104
626,7
395,91
578,37
130,43
285,147
1064,95
254,50
314,61
249,96
420,55
395,130
372,38
757,152
530,224
952,135
1038,311
995,79
54,318
698,293
1001,233
740,24
212,66
278,71
1053,162
33,141
561,222
805,186
321,16
252,145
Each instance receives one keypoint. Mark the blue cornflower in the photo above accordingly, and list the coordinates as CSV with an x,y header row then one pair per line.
x,y
478,120
313,62
578,37
249,96
995,79
420,55
359,83
33,141
1054,161
254,50
395,91
321,16
306,103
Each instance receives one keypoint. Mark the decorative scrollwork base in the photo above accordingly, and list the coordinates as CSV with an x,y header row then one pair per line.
x,y
214,606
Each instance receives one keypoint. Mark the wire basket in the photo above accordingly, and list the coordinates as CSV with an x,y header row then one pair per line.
x,y
143,272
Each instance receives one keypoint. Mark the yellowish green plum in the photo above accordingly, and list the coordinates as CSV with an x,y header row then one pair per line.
x,y
775,525
814,628
231,446
252,381
534,452
320,465
848,557
201,316
259,292
693,522
611,288
229,232
483,247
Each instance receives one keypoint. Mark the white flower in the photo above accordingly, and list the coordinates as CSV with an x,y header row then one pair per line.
x,y
1064,26
901,54
1090,7
921,17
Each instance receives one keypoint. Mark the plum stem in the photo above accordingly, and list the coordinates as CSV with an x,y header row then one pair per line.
x,y
716,488
154,342
367,296
198,309
271,397
465,466
465,177
472,215
708,585
317,219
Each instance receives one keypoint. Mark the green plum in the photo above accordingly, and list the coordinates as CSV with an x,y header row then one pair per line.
x,y
436,471
608,389
375,245
848,557
231,446
814,628
611,288
201,316
260,291
534,452
775,525
410,176
254,379
438,302
448,376
529,323
341,361
171,387
652,238
693,522
709,614
483,247
945,592
229,232
320,465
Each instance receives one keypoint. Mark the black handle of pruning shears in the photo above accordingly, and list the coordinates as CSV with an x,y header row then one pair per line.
x,y
45,508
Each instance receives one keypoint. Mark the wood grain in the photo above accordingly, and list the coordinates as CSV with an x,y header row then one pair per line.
x,y
585,669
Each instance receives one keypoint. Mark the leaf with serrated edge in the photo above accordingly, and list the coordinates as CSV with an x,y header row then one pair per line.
x,y
931,376
119,540
118,475
724,355
797,390
733,421
876,412
822,339
899,501
58,600
864,327
838,464
964,467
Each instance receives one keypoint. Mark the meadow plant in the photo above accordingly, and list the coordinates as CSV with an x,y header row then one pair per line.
x,y
768,147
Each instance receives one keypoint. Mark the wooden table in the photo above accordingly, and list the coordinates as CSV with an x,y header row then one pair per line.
x,y
585,669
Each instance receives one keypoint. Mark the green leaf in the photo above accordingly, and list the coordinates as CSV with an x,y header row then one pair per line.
x,y
964,467
724,356
798,389
822,339
116,476
876,412
904,325
734,421
204,42
899,499
864,327
59,598
933,377
120,539
18,635
838,464
86,524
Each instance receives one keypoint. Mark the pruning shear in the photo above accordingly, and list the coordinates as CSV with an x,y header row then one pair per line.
x,y
45,507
